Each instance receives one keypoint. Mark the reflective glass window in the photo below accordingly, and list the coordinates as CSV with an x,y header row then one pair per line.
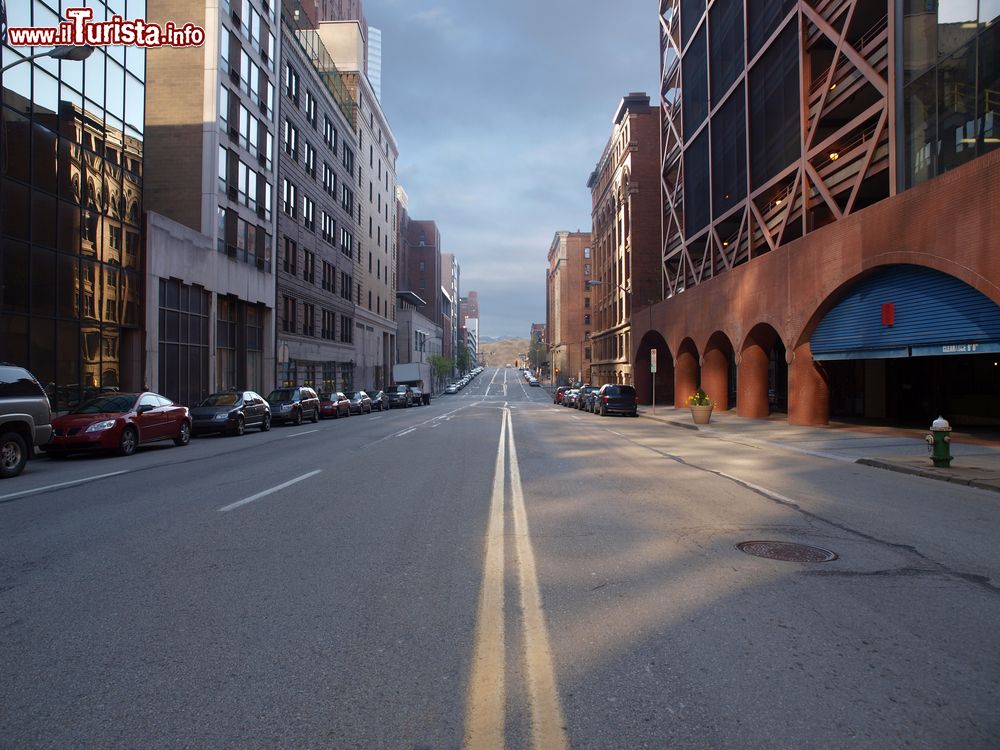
x,y
729,167
763,18
696,198
726,45
93,74
694,68
774,108
115,97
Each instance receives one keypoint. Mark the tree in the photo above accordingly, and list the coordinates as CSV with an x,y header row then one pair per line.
x,y
442,365
462,360
536,353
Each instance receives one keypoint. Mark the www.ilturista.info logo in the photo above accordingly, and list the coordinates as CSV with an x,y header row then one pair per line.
x,y
81,29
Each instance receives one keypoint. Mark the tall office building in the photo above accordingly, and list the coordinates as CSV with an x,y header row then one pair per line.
x,y
318,228
450,283
210,183
830,175
71,202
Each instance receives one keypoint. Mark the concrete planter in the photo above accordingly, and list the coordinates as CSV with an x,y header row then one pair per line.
x,y
701,414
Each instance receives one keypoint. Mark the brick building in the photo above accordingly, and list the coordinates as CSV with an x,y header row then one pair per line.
x,y
830,190
625,196
569,307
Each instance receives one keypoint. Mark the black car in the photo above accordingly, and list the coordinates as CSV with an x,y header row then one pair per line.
x,y
293,404
360,402
418,397
232,412
380,401
400,395
617,399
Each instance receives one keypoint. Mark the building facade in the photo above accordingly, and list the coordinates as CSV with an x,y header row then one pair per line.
x,y
211,122
830,180
450,282
569,305
420,271
468,309
418,338
625,200
317,223
71,204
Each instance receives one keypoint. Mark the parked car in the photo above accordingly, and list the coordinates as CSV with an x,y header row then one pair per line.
x,y
360,402
232,412
451,388
380,401
533,382
25,418
558,396
617,399
293,404
583,400
400,395
418,397
334,404
570,396
120,421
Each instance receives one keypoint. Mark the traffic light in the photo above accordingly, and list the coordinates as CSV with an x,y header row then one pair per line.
x,y
517,363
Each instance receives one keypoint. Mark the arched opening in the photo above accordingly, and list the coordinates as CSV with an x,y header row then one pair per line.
x,y
687,372
762,378
664,376
906,343
718,371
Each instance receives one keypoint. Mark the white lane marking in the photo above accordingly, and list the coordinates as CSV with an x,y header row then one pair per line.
x,y
486,702
271,491
297,434
71,483
420,424
548,724
406,432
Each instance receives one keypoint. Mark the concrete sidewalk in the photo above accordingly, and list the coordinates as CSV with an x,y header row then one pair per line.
x,y
976,463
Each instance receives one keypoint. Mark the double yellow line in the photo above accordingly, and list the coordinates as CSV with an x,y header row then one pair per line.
x,y
486,703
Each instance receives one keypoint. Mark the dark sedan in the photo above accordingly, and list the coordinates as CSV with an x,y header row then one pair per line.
x,y
334,404
231,412
293,404
121,422
360,403
400,395
380,400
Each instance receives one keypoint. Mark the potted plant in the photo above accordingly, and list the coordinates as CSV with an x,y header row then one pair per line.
x,y
701,407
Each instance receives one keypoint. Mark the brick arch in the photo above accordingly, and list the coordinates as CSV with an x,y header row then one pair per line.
x,y
752,398
687,370
641,376
719,355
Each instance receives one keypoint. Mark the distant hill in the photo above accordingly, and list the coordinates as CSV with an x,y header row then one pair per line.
x,y
499,352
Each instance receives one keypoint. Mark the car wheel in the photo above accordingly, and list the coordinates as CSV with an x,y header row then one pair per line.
x,y
315,417
298,417
266,424
185,435
13,454
369,409
241,426
128,442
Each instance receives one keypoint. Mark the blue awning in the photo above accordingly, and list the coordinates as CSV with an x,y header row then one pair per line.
x,y
908,311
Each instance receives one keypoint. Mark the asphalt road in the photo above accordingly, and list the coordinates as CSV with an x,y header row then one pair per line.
x,y
492,570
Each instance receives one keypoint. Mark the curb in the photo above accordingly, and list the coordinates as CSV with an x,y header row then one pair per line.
x,y
902,469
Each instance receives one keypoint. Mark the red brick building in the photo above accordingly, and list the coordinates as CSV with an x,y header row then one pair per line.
x,y
568,307
830,211
625,195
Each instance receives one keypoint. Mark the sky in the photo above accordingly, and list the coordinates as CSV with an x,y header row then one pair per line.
x,y
501,111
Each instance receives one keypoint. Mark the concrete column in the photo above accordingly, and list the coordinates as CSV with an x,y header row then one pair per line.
x,y
808,390
751,382
715,377
685,376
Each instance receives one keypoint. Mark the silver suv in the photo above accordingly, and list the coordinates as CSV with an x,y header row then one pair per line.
x,y
25,418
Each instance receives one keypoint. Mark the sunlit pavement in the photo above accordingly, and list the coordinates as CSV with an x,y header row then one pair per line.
x,y
493,571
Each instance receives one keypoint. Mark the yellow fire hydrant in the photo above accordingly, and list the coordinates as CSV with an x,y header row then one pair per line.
x,y
939,441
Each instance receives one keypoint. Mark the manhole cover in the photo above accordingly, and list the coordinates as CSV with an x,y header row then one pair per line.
x,y
787,551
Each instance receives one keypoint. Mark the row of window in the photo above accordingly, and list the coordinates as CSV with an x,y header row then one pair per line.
x,y
328,327
290,264
243,240
244,185
244,128
250,77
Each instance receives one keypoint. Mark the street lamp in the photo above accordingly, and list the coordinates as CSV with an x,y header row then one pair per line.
x,y
67,52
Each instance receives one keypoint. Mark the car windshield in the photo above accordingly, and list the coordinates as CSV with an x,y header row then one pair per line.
x,y
354,395
106,405
400,389
326,397
281,394
221,399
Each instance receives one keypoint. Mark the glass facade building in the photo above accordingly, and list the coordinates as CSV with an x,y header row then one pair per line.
x,y
71,258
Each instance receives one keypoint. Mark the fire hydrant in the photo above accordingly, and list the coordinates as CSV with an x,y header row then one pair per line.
x,y
938,442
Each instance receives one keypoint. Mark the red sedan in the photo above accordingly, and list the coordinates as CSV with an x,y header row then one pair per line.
x,y
121,422
334,404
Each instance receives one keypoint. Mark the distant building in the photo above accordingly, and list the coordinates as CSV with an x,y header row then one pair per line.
x,y
569,307
538,332
375,60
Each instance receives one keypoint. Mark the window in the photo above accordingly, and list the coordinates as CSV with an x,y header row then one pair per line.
x,y
308,213
422,265
224,109
328,227
346,329
586,253
348,160
329,179
346,285
586,320
309,267
288,198
310,160
292,84
329,329
289,262
291,140
311,108
346,243
347,199
586,302
329,134
288,314
223,169
329,277
587,269
308,320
